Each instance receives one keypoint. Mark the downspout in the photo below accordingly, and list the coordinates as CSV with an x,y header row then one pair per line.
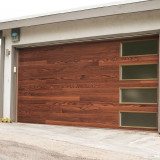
x,y
2,52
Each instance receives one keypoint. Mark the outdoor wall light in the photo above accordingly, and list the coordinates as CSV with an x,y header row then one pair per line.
x,y
15,35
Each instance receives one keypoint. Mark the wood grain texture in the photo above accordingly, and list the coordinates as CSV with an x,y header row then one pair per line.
x,y
77,84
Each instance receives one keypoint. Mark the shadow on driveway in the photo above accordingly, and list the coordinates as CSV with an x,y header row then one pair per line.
x,y
17,151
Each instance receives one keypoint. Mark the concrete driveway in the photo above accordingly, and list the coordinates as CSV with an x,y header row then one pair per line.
x,y
34,141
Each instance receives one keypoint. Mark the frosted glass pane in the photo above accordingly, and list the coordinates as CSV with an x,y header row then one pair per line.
x,y
140,48
134,119
139,95
148,71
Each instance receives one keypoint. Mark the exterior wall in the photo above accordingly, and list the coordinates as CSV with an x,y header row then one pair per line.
x,y
1,75
159,92
89,28
7,77
112,25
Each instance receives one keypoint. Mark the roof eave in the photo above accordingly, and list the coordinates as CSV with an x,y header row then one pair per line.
x,y
84,14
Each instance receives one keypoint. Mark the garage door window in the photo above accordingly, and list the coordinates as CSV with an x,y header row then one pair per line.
x,y
138,119
138,95
133,72
135,48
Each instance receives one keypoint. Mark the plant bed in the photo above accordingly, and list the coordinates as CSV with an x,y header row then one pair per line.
x,y
5,120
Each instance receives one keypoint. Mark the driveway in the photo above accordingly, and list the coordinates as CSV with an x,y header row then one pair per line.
x,y
20,141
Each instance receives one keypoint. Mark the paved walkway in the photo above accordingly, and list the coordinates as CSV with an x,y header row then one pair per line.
x,y
89,143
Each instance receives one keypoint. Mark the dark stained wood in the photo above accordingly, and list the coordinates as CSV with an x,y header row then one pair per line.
x,y
77,84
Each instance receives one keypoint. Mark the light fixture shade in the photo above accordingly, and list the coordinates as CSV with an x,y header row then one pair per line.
x,y
15,35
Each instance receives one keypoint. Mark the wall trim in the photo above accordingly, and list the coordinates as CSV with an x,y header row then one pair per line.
x,y
2,58
14,84
159,91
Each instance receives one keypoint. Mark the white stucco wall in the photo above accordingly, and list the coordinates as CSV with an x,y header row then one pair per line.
x,y
111,25
92,27
7,76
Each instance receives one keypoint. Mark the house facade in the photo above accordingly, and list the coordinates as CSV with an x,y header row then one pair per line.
x,y
95,67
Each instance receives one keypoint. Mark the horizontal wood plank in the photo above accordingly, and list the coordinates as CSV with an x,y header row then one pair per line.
x,y
77,84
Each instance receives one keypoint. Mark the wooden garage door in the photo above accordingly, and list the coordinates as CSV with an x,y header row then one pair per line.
x,y
76,84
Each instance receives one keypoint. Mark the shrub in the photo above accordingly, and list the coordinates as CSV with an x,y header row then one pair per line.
x,y
5,120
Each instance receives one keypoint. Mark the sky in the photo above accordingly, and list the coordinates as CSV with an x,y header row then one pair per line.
x,y
11,9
